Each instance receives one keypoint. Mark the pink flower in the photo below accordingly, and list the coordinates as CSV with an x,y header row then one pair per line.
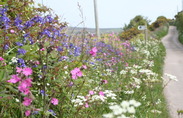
x,y
1,59
12,31
79,74
84,66
27,71
37,62
42,49
54,101
91,92
101,93
104,81
126,64
93,51
14,79
76,72
86,105
24,86
19,70
27,101
27,113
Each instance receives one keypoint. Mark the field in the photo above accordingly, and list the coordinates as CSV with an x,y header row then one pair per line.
x,y
45,72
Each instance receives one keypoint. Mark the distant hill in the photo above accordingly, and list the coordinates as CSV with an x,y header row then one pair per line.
x,y
92,30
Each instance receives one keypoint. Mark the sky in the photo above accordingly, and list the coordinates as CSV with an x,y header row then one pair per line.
x,y
111,13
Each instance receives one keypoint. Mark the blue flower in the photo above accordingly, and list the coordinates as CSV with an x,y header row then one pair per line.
x,y
43,92
3,11
53,113
19,44
21,62
37,19
59,48
49,19
29,24
63,58
21,51
18,22
6,47
5,21
77,51
47,32
35,112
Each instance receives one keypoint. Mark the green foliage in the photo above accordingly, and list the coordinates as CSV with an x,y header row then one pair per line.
x,y
129,34
135,22
130,30
179,25
160,21
160,32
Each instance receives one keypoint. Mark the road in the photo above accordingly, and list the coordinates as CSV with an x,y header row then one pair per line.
x,y
174,65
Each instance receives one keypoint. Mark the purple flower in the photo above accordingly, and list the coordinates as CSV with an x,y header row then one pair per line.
x,y
77,51
37,19
53,113
59,48
35,112
63,58
5,20
21,51
47,33
43,92
6,46
3,11
49,19
18,22
21,62
19,44
29,24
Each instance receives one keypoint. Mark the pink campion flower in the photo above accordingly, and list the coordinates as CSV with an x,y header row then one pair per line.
x,y
93,51
24,86
27,71
79,74
42,49
19,70
86,105
101,93
27,113
84,66
27,101
91,92
126,64
14,79
76,72
1,59
12,31
104,81
37,62
54,101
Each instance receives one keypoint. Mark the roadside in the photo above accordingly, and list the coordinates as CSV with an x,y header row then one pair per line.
x,y
174,65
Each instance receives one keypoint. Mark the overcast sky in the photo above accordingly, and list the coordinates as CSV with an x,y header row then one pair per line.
x,y
112,13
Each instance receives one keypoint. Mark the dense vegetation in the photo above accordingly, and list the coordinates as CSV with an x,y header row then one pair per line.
x,y
46,73
179,25
131,30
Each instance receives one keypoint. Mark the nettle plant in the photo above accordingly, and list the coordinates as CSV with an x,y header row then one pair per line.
x,y
44,71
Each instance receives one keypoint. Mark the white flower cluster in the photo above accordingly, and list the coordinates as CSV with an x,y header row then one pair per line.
x,y
13,60
171,77
120,111
80,100
149,63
